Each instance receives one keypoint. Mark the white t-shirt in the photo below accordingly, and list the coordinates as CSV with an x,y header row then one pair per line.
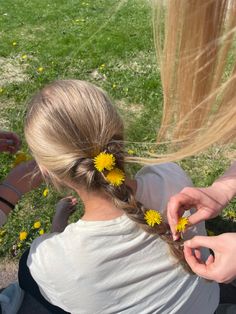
x,y
115,267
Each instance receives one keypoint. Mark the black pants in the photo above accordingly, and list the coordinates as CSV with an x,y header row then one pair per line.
x,y
28,284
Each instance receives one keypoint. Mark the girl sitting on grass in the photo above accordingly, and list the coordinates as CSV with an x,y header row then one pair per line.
x,y
116,258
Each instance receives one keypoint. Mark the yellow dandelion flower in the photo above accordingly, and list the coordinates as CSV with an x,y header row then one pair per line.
x,y
210,233
1,90
153,217
37,224
114,86
20,157
45,192
23,235
19,245
231,214
182,223
14,43
41,231
40,69
104,161
24,57
2,232
102,66
131,152
115,177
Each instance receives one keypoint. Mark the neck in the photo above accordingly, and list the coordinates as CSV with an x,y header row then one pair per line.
x,y
98,206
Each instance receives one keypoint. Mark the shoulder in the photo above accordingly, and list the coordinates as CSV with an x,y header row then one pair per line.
x,y
164,171
43,250
168,172
48,265
157,183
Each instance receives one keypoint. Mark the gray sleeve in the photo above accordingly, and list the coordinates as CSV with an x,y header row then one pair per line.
x,y
3,218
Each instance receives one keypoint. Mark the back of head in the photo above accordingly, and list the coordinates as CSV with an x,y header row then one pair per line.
x,y
67,124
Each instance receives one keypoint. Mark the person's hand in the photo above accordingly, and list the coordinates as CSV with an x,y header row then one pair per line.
x,y
25,177
64,209
208,203
9,142
221,267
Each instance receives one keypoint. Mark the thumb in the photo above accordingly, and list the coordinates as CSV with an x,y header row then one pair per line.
x,y
201,241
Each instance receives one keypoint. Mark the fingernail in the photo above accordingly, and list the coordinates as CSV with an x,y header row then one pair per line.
x,y
175,237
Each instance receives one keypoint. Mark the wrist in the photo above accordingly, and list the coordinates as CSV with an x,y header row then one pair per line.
x,y
223,192
9,195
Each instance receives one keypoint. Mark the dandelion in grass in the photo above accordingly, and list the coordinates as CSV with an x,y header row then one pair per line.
x,y
40,69
1,90
14,44
114,86
231,214
19,158
104,161
102,66
23,235
116,177
182,224
153,217
24,57
41,231
210,233
37,224
45,192
131,152
2,232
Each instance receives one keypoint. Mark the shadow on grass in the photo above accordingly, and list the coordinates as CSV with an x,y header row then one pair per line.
x,y
220,225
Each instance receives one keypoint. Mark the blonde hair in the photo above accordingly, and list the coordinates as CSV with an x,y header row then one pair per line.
x,y
70,122
195,45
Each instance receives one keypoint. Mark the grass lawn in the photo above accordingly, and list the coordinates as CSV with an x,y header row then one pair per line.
x,y
105,42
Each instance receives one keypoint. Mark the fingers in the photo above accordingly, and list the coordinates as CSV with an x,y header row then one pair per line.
x,y
7,146
9,142
201,241
210,260
69,201
198,216
197,267
175,209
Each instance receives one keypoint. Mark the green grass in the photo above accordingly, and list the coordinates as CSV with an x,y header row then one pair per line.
x,y
109,43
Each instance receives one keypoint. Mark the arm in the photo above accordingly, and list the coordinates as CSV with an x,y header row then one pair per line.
x,y
19,181
227,184
64,209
